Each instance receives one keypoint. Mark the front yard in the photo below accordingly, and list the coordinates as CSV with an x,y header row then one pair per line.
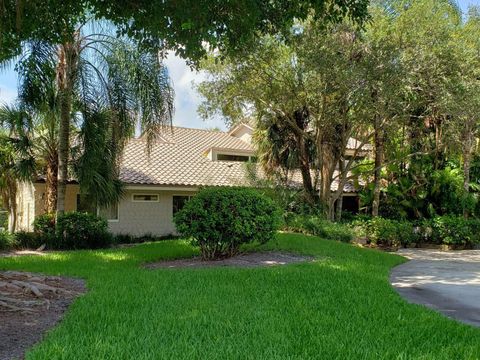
x,y
340,306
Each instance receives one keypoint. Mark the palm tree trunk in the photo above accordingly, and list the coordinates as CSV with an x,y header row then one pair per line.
x,y
11,199
51,184
66,72
378,168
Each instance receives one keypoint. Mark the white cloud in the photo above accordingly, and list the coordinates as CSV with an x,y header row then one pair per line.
x,y
186,97
7,94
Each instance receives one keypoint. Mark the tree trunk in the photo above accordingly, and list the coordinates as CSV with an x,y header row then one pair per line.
x,y
51,184
341,169
66,72
12,206
467,155
12,218
378,168
304,158
326,173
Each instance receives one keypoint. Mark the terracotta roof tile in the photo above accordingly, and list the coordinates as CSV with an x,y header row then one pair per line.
x,y
179,157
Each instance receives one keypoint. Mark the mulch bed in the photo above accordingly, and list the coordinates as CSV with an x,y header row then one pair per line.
x,y
241,260
31,304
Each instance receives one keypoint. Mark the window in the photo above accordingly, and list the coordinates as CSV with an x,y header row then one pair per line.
x,y
145,197
110,213
179,202
226,157
84,204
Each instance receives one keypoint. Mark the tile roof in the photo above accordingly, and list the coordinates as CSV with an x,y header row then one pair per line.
x,y
179,158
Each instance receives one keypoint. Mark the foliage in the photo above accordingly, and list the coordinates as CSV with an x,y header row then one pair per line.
x,y
302,94
76,230
3,218
451,230
132,239
315,225
385,232
16,159
345,294
113,86
219,220
429,194
441,230
44,227
390,232
28,240
412,73
73,230
6,240
184,27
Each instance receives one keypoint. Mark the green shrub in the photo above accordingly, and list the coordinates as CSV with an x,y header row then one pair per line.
x,y
6,240
75,230
3,219
124,239
315,225
335,231
28,240
386,232
452,230
44,228
219,220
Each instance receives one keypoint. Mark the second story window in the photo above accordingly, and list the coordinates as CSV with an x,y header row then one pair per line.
x,y
227,157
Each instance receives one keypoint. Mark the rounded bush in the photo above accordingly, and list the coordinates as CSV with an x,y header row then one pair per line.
x,y
219,220
73,230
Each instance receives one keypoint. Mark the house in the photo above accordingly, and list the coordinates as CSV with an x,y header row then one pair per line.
x,y
159,182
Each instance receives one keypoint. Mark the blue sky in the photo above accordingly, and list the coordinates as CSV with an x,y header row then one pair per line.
x,y
183,78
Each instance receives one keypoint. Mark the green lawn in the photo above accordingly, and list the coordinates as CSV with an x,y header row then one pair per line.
x,y
339,307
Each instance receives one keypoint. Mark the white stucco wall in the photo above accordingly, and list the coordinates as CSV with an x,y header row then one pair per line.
x,y
135,218
244,133
140,218
25,206
70,197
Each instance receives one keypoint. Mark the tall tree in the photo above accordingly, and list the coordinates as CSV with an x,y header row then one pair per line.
x,y
17,161
306,87
107,86
464,89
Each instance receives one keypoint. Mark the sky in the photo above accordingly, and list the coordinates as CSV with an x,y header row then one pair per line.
x,y
183,79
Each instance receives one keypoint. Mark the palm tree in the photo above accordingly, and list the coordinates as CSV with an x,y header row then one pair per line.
x,y
106,86
16,157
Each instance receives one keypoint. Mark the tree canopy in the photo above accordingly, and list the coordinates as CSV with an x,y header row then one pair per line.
x,y
184,26
407,84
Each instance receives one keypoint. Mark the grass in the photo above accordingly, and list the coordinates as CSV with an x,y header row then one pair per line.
x,y
338,307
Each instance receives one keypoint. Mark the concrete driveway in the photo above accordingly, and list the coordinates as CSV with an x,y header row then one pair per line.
x,y
448,282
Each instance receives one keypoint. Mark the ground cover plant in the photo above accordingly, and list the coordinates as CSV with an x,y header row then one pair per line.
x,y
316,225
340,306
